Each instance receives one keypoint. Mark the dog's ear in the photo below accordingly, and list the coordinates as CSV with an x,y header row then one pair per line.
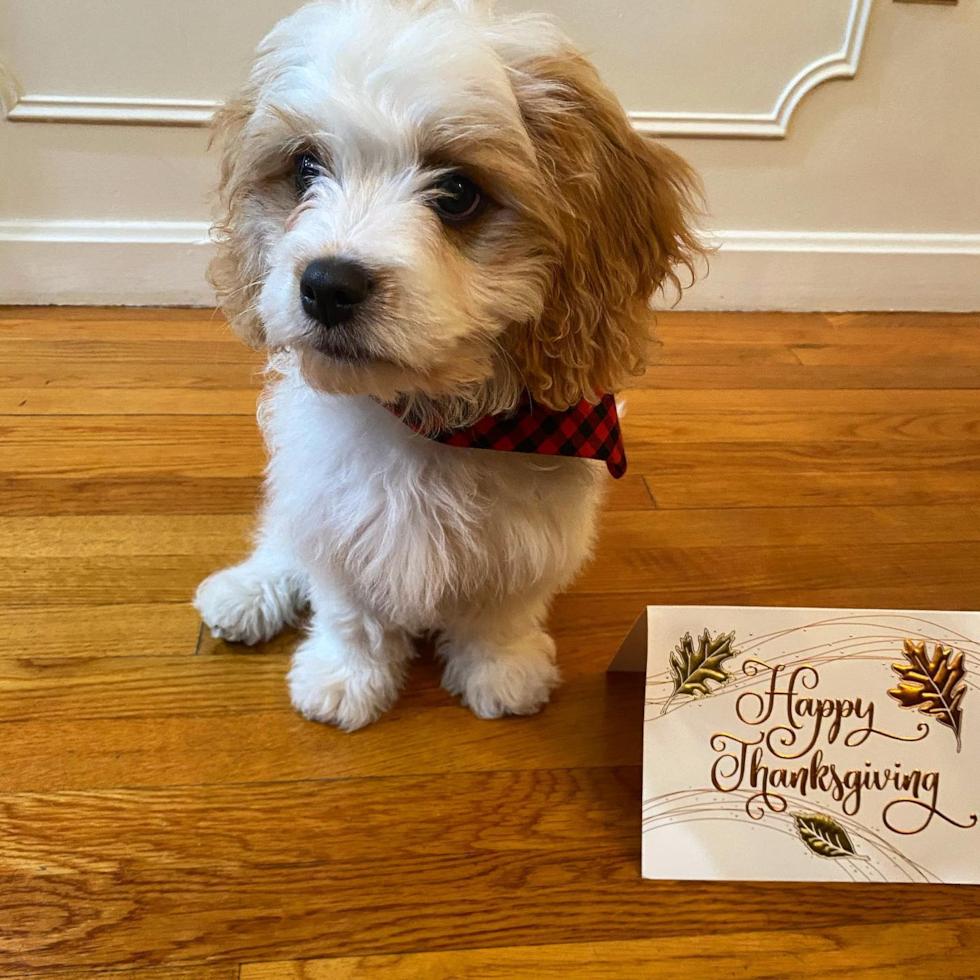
x,y
621,214
235,271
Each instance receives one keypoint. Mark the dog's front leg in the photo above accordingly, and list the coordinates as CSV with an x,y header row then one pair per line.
x,y
351,668
500,660
251,602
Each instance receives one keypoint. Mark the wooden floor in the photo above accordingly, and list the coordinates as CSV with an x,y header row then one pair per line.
x,y
162,810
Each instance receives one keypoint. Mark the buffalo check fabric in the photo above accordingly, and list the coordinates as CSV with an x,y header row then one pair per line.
x,y
586,430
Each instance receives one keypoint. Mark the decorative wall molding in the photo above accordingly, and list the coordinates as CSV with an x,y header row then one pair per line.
x,y
851,242
774,124
111,109
139,263
104,232
198,112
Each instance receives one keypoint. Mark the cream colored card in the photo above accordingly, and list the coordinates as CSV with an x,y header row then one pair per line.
x,y
809,744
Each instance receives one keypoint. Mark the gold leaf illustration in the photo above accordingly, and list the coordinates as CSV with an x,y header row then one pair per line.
x,y
692,669
935,686
825,836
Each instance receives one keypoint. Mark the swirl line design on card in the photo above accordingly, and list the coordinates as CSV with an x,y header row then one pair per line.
x,y
878,645
875,857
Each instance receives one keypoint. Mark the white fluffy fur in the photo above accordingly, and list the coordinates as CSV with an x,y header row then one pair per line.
x,y
385,533
390,535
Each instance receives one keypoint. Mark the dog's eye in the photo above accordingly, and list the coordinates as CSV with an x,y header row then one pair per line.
x,y
457,198
306,169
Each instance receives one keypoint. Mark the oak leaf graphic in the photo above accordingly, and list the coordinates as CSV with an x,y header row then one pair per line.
x,y
692,669
825,836
936,685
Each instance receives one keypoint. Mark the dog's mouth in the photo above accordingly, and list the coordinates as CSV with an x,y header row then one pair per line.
x,y
339,345
342,348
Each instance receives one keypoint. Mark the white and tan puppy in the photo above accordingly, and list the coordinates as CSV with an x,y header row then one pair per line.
x,y
429,207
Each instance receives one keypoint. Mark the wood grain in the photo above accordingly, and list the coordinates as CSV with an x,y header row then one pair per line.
x,y
906,951
667,417
202,972
133,494
469,859
126,401
156,742
94,632
165,815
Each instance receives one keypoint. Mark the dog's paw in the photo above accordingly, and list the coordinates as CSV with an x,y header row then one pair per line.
x,y
493,682
246,604
326,685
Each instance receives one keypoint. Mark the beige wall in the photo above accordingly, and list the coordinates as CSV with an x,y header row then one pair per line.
x,y
864,194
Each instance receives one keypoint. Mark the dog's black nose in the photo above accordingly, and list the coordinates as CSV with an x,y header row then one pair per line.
x,y
332,289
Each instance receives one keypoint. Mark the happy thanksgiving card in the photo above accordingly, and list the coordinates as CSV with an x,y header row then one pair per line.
x,y
810,744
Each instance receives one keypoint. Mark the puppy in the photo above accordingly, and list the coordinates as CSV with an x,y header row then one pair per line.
x,y
430,217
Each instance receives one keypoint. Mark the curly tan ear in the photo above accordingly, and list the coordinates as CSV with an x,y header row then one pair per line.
x,y
236,272
622,217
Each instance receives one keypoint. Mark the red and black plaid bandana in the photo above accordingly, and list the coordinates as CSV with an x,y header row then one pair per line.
x,y
585,430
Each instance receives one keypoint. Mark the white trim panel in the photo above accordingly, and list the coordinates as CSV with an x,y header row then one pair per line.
x,y
111,109
163,262
198,112
113,263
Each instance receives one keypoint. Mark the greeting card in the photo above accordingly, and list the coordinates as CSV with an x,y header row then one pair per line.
x,y
809,744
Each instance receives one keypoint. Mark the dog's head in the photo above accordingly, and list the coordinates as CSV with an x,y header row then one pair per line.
x,y
427,202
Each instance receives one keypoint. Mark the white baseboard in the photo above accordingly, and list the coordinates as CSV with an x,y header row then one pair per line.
x,y
104,263
800,271
144,263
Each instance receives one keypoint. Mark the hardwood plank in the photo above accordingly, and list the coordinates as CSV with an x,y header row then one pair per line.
x,y
936,374
126,401
664,417
629,492
892,951
103,580
870,334
591,721
761,474
104,535
708,351
132,362
106,315
213,971
131,494
111,323
206,368
79,687
886,457
60,632
83,448
758,486
791,526
470,860
755,575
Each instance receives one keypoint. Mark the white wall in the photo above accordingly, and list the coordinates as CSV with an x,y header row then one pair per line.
x,y
841,165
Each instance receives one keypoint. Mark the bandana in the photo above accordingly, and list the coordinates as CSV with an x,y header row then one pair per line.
x,y
584,430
